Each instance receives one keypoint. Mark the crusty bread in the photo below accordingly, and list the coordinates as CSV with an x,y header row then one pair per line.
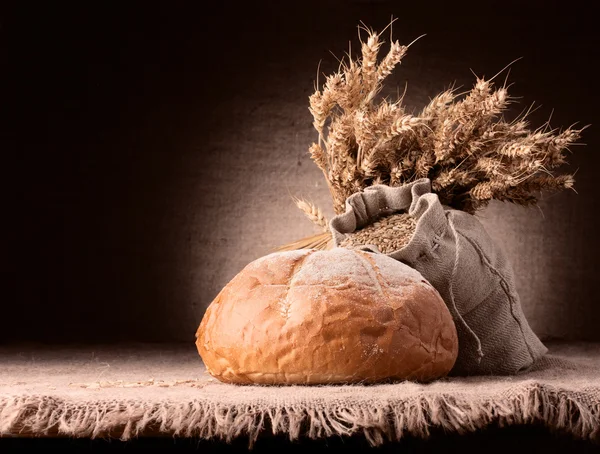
x,y
318,317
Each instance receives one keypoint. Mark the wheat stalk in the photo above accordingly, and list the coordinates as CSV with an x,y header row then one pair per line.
x,y
321,241
461,142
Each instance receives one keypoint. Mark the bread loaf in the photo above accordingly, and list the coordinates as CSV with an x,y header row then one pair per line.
x,y
320,317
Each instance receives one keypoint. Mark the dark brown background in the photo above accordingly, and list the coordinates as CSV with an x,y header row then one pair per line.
x,y
149,153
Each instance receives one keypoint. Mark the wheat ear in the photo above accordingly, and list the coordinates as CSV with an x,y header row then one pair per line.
x,y
313,213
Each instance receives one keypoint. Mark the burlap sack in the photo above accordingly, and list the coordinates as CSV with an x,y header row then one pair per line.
x,y
452,250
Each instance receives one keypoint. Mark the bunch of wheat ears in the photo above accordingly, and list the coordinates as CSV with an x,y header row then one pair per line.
x,y
460,141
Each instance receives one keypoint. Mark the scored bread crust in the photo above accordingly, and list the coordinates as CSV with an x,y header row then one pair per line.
x,y
322,317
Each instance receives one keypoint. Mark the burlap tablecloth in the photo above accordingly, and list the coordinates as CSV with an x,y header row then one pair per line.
x,y
130,391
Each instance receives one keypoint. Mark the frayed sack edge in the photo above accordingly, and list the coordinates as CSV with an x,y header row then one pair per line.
x,y
575,413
